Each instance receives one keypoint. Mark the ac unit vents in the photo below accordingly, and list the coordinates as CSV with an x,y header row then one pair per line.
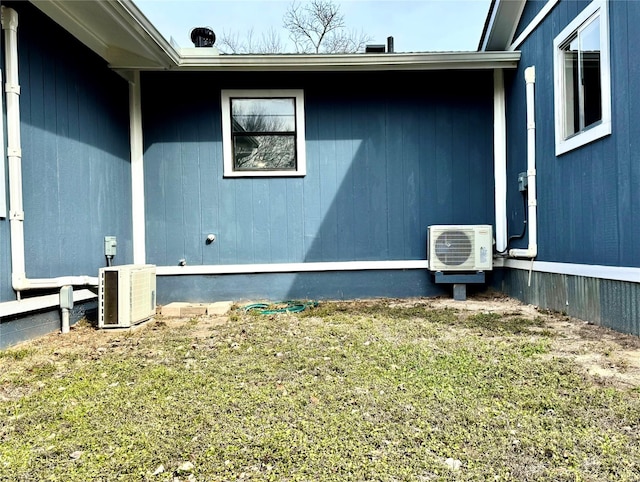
x,y
460,247
126,295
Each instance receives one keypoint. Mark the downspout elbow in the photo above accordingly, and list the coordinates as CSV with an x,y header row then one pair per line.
x,y
19,282
530,252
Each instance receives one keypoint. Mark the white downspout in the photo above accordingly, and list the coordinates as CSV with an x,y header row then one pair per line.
x,y
500,159
532,225
19,279
14,154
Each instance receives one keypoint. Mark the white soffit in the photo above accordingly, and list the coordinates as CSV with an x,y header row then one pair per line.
x,y
502,23
115,30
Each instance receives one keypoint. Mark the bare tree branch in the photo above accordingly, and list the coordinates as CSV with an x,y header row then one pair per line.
x,y
310,24
314,27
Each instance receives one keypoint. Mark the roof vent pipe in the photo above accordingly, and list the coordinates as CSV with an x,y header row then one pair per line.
x,y
203,37
389,45
374,49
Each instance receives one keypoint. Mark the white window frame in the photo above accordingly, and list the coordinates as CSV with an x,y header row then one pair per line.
x,y
564,142
227,147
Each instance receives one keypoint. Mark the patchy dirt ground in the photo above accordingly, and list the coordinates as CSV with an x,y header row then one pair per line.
x,y
611,358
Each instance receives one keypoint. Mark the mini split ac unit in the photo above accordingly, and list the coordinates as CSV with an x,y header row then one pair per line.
x,y
126,295
460,247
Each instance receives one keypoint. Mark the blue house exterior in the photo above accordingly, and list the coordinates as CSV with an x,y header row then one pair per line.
x,y
382,165
588,221
75,174
123,134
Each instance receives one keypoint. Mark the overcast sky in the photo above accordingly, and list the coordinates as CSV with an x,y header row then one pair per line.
x,y
415,25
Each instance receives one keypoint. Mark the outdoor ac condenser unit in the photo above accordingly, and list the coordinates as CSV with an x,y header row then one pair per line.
x,y
126,295
460,247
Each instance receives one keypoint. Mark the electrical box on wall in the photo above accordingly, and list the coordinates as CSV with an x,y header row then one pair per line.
x,y
110,245
523,181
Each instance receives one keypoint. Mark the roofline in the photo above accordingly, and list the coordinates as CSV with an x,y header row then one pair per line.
x,y
120,33
487,22
352,62
501,24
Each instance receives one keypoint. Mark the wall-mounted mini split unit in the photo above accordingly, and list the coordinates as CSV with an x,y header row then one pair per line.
x,y
460,247
126,295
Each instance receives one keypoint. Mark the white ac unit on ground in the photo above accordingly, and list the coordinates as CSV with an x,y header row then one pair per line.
x,y
460,247
126,295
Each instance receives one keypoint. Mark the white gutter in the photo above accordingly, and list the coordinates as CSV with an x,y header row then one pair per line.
x,y
19,279
204,60
500,159
532,249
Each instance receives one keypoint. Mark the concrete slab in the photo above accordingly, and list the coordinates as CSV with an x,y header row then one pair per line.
x,y
173,309
219,308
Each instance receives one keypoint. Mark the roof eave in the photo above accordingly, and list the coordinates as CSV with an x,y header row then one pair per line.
x,y
501,24
352,62
115,30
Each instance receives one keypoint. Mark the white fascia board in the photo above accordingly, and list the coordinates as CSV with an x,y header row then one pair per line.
x,y
537,20
615,273
290,267
130,15
352,62
137,170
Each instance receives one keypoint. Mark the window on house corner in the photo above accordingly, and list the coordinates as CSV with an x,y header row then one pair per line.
x,y
582,85
263,133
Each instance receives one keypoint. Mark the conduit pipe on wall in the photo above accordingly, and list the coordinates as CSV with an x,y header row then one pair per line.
x,y
532,250
19,279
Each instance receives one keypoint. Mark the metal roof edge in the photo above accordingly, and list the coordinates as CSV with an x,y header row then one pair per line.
x,y
351,62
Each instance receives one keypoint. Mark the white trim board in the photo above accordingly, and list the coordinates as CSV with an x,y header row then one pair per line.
x,y
537,20
291,267
137,171
592,271
615,273
10,308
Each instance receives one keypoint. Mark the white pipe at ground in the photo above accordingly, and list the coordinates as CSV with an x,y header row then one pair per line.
x,y
532,223
65,320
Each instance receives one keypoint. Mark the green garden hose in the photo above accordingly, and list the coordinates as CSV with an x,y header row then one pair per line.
x,y
290,306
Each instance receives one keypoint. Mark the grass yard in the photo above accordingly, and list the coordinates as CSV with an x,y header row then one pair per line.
x,y
381,390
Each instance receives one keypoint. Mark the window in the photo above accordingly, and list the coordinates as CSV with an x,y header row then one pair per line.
x,y
582,79
263,133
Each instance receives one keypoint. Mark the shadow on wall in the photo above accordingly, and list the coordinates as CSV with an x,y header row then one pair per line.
x,y
382,166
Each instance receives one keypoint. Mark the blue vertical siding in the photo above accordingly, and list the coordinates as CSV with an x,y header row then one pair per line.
x,y
588,200
383,163
75,154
